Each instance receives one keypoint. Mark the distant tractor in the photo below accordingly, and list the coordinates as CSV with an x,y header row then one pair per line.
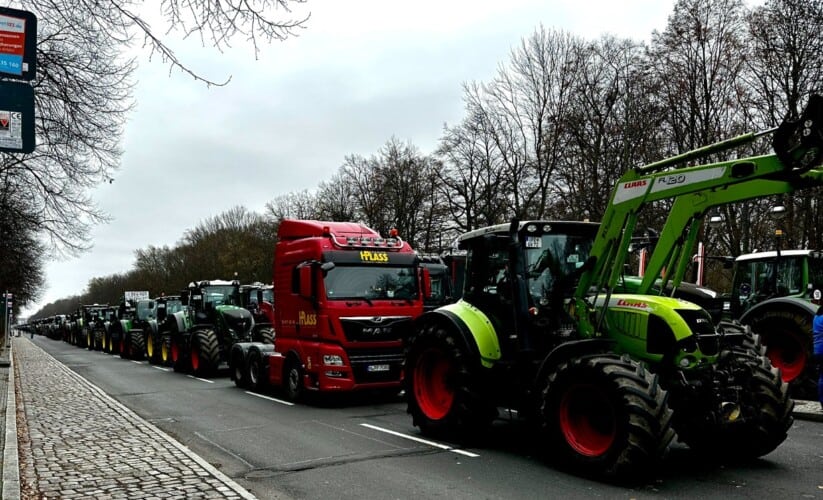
x,y
442,292
777,294
258,298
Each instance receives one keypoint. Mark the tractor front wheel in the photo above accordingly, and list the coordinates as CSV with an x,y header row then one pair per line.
x,y
606,415
444,385
205,353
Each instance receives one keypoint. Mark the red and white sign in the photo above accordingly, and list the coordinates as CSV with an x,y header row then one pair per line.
x,y
12,35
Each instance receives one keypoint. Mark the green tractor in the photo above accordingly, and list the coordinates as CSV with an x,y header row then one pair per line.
x,y
777,293
201,335
608,377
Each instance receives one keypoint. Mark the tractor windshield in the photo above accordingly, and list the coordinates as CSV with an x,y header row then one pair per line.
x,y
371,282
267,294
767,278
552,261
219,295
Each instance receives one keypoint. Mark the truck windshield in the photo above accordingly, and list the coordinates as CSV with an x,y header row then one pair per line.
x,y
268,294
372,282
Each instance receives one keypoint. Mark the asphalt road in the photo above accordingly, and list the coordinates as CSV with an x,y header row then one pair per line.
x,y
369,449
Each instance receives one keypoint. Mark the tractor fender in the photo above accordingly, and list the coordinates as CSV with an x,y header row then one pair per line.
x,y
568,350
180,322
798,311
472,324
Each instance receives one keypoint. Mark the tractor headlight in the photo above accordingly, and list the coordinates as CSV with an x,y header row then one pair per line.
x,y
332,360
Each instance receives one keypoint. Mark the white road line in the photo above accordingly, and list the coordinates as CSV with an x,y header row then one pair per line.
x,y
423,441
161,368
270,398
138,362
201,379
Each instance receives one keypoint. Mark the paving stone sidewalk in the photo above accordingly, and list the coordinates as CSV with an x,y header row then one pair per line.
x,y
75,441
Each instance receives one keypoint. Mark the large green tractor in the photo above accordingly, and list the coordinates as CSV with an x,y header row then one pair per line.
x,y
201,335
608,377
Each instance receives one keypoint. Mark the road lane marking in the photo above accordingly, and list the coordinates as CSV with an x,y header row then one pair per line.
x,y
138,362
287,403
201,379
420,440
161,368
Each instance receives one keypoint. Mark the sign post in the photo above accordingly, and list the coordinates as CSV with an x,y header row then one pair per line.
x,y
18,65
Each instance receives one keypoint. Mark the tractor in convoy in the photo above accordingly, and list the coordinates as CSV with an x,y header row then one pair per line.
x,y
345,297
609,377
258,298
211,321
777,293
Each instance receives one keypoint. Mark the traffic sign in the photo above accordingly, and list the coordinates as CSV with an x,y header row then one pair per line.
x,y
18,43
16,117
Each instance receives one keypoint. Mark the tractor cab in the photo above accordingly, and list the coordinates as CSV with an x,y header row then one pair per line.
x,y
763,275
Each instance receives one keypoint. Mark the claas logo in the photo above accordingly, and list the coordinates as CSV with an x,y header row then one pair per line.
x,y
369,256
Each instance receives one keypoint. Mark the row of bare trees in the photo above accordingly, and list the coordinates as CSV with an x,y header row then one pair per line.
x,y
549,135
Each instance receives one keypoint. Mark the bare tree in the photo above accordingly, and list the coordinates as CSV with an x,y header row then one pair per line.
x,y
83,93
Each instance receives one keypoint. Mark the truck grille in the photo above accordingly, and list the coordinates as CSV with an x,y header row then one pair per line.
x,y
362,359
376,328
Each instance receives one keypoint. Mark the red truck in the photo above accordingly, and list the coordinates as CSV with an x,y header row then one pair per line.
x,y
344,299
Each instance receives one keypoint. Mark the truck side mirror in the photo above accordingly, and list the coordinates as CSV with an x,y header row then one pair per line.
x,y
306,283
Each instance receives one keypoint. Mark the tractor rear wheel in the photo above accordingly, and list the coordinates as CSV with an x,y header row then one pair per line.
x,y
205,353
152,353
606,415
137,346
165,351
179,361
89,340
753,426
264,335
788,340
444,385
125,345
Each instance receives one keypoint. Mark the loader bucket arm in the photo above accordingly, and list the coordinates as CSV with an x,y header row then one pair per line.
x,y
796,164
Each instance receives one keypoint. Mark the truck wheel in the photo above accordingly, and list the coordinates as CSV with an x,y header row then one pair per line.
x,y
137,346
205,353
256,375
607,416
238,370
265,335
294,380
444,386
756,425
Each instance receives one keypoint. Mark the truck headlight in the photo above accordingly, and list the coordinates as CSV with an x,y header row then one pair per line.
x,y
332,360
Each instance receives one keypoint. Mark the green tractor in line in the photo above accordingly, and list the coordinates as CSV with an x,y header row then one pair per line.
x,y
543,329
212,320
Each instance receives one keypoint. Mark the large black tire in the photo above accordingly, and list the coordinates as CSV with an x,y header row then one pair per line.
x,y
205,353
264,335
137,345
89,341
765,409
444,385
165,350
180,360
239,372
605,415
787,335
125,345
153,348
256,374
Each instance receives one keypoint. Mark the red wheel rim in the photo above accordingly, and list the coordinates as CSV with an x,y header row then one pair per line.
x,y
195,359
123,346
587,420
432,390
175,353
790,358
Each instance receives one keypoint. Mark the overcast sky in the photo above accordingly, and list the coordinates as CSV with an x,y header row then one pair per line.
x,y
361,72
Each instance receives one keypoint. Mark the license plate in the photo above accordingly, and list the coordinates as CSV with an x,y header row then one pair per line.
x,y
377,368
